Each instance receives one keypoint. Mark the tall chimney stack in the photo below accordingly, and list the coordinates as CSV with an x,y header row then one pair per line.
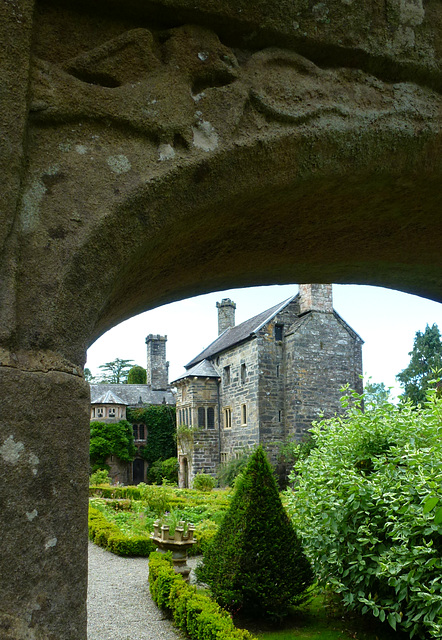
x,y
157,366
315,297
226,314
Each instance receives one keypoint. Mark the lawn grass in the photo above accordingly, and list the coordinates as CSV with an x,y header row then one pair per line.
x,y
320,621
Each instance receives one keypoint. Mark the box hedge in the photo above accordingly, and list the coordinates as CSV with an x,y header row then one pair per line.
x,y
107,535
194,613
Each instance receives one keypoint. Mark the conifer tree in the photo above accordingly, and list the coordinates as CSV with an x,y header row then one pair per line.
x,y
137,375
256,563
425,362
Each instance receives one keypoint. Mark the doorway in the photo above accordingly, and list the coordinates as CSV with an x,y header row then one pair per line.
x,y
138,471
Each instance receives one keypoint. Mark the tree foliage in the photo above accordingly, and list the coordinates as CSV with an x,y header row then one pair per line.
x,y
114,438
88,375
161,431
426,359
375,395
115,372
368,505
137,375
161,470
255,562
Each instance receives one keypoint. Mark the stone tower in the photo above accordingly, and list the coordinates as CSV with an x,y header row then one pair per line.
x,y
226,314
315,297
157,366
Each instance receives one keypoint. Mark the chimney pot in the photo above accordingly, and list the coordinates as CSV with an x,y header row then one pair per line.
x,y
226,314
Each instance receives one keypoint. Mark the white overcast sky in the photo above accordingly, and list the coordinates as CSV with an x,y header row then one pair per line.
x,y
386,320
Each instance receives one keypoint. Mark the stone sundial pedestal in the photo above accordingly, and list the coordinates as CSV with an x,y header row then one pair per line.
x,y
178,544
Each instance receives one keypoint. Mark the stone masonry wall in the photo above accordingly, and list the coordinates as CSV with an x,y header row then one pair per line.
x,y
321,357
241,390
201,448
272,376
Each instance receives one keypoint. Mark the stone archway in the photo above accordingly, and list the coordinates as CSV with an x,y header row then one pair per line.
x,y
171,148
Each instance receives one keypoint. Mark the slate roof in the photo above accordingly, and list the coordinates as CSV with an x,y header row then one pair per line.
x,y
108,397
132,395
203,369
239,333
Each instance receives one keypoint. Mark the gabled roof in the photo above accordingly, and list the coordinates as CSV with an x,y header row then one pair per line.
x,y
203,369
108,397
243,331
298,322
132,395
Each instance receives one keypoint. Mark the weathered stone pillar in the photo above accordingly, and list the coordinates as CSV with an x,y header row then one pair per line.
x,y
44,434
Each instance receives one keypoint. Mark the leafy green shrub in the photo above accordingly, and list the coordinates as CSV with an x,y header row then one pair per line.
x,y
255,562
290,452
205,532
228,471
161,470
368,504
157,498
203,482
100,476
108,535
194,613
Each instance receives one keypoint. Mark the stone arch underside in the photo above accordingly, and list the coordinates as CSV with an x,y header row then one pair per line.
x,y
163,150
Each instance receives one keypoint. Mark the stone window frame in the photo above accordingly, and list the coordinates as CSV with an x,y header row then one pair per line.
x,y
112,412
100,412
210,418
202,418
206,417
227,417
279,332
224,457
93,412
139,431
243,373
227,375
244,415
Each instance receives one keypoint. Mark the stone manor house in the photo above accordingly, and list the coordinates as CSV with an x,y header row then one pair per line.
x,y
109,403
265,380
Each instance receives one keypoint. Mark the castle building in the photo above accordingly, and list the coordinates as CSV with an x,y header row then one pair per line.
x,y
109,403
265,380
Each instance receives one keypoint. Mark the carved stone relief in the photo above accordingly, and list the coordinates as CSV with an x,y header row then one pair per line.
x,y
191,91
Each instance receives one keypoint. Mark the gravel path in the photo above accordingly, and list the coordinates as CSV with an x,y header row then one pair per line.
x,y
119,602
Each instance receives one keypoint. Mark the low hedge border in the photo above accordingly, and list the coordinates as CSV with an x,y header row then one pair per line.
x,y
194,613
107,535
102,491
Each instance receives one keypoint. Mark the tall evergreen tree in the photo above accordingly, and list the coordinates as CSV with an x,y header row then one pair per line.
x,y
137,375
256,563
426,358
115,372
